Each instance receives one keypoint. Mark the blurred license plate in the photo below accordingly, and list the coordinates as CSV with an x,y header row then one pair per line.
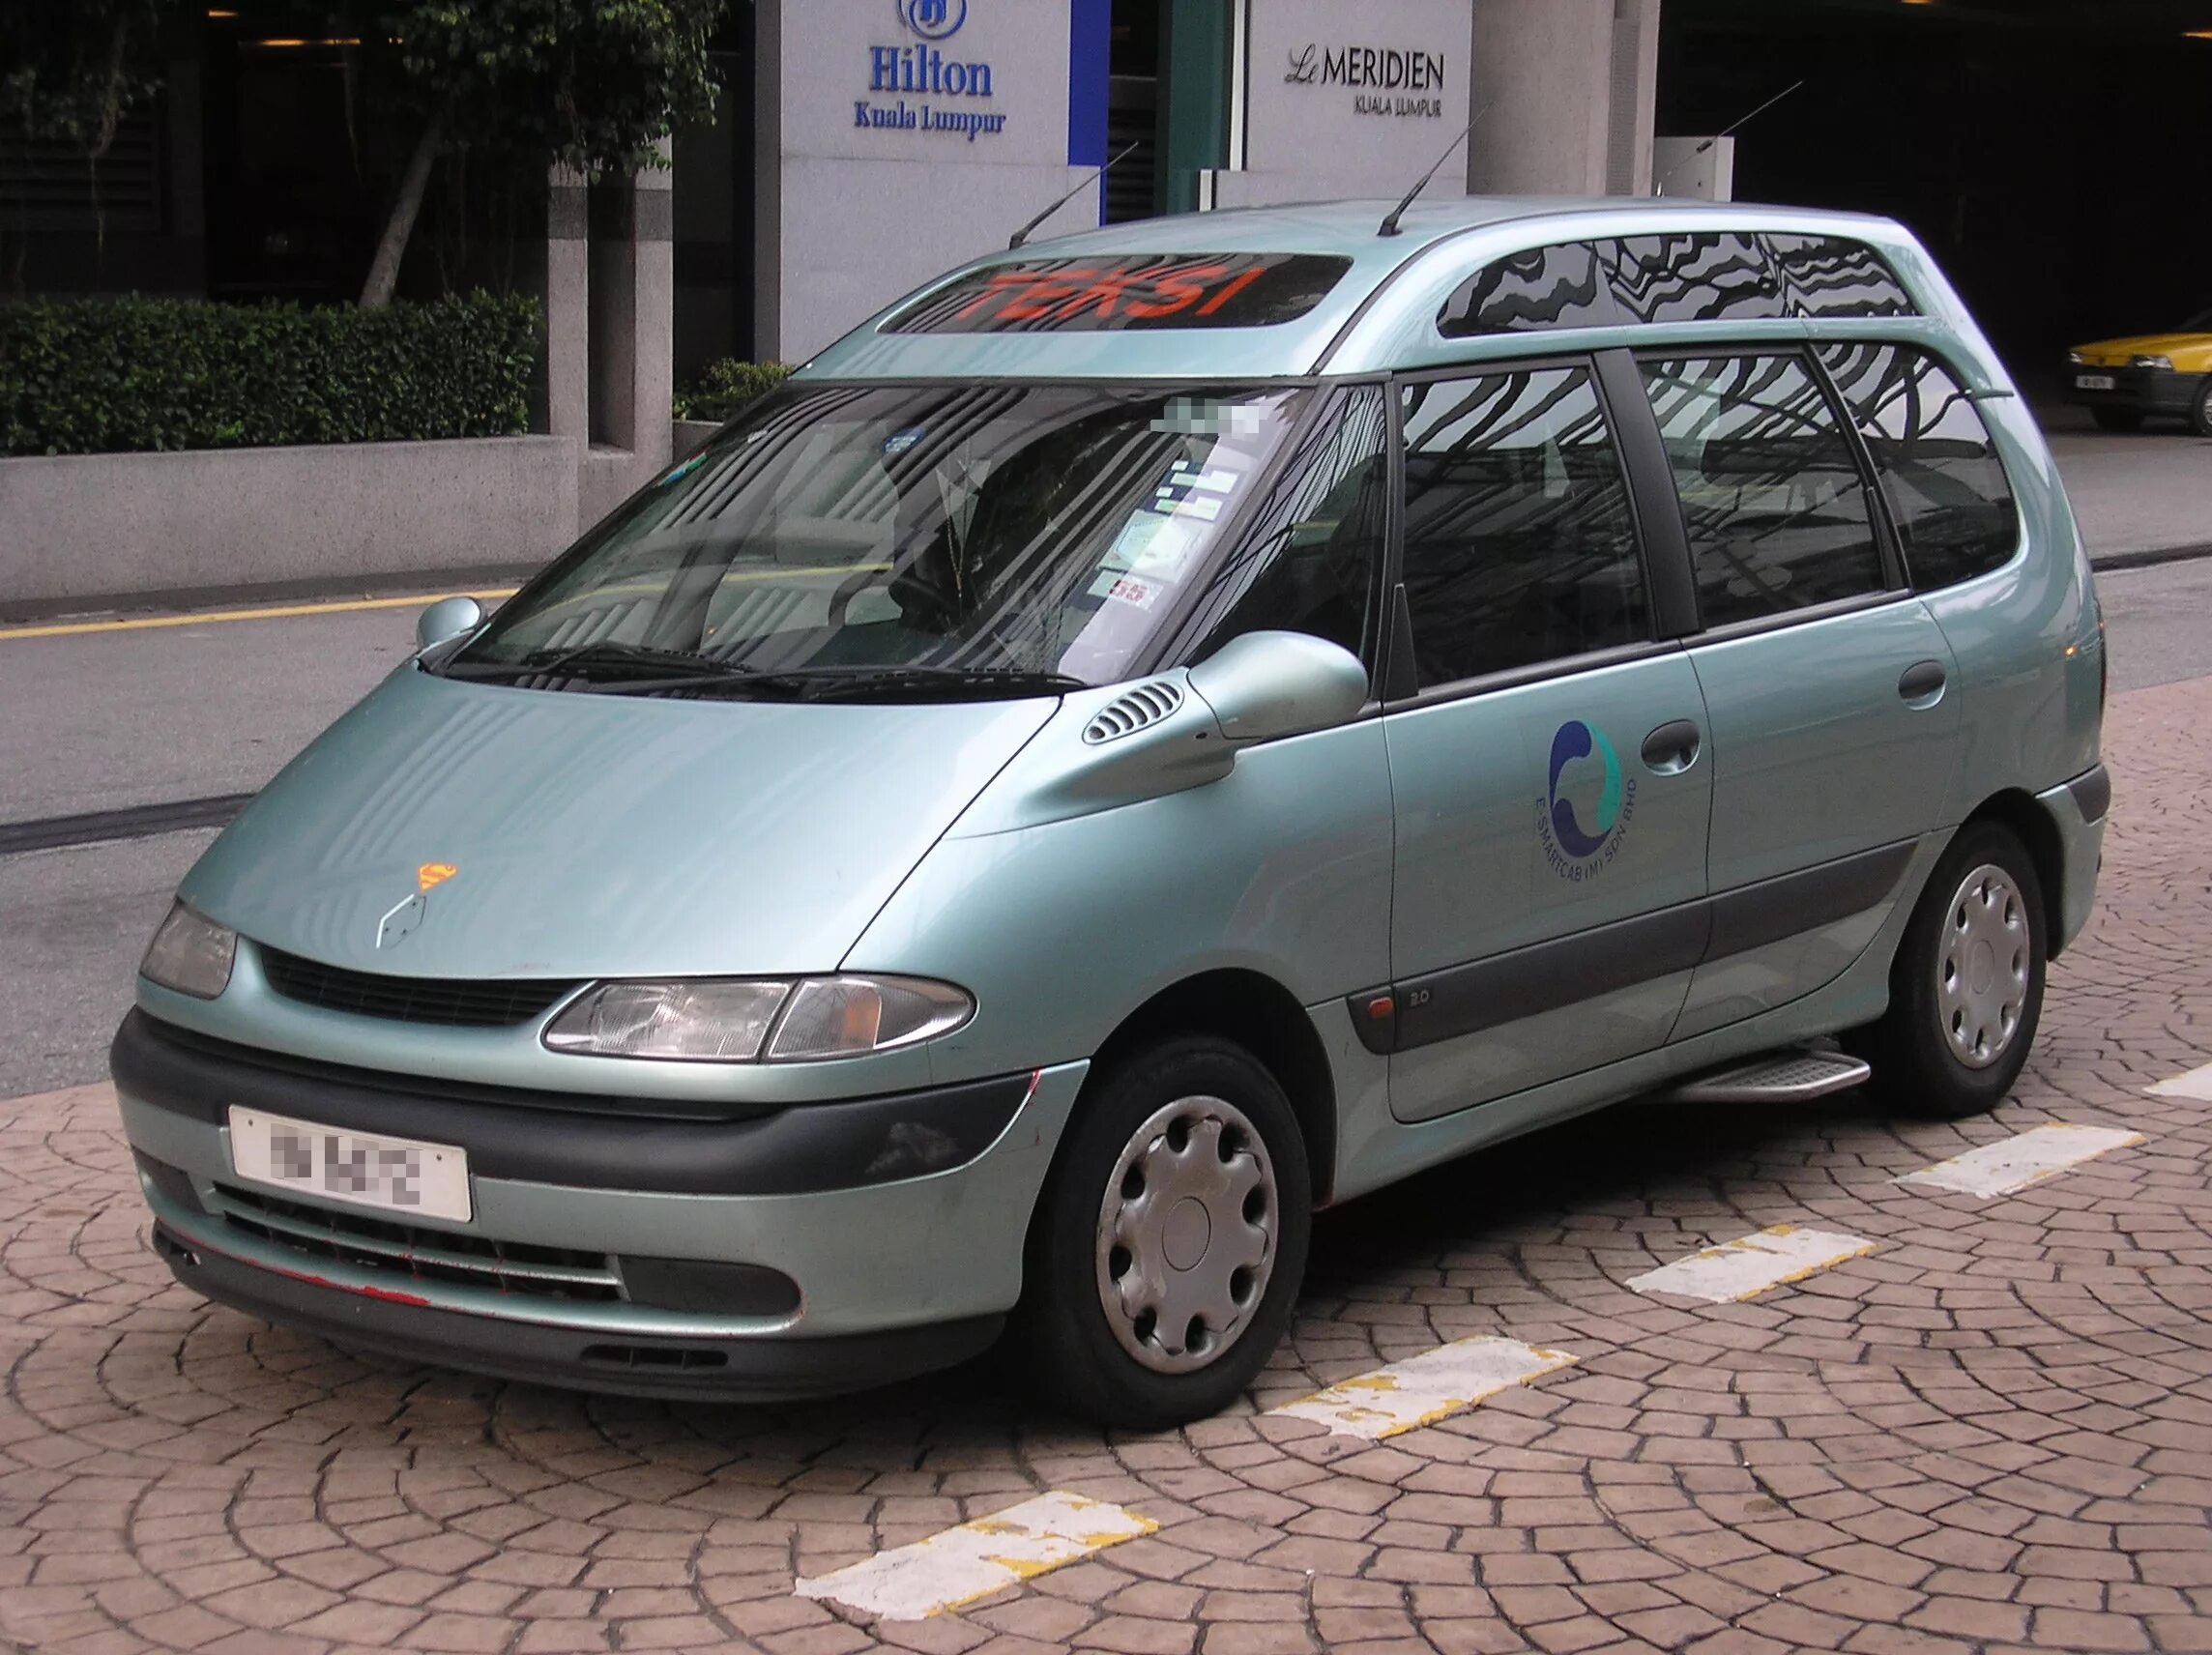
x,y
2092,382
396,1174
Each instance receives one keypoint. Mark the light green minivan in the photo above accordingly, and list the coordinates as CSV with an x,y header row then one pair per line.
x,y
1155,734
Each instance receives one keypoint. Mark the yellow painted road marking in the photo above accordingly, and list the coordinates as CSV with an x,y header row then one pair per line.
x,y
958,1566
1751,1265
218,617
2023,1159
1425,1388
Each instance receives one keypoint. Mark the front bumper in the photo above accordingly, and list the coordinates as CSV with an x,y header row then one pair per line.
x,y
2137,389
611,1251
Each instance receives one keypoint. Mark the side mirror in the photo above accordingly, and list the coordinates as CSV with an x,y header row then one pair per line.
x,y
1267,684
446,620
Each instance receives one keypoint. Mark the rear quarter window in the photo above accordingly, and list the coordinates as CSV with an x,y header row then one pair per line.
x,y
1939,470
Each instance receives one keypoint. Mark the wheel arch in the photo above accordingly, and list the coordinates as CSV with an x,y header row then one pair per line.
x,y
1264,1017
2029,820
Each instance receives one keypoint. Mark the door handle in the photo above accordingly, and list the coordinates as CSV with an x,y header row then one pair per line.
x,y
1922,683
1673,748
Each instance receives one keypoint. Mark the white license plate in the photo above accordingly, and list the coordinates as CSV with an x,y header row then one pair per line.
x,y
2092,382
394,1174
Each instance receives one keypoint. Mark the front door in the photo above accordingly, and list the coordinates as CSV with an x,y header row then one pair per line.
x,y
1833,719
1546,758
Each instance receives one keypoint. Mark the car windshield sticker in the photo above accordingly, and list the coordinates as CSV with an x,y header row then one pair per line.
x,y
898,442
1126,290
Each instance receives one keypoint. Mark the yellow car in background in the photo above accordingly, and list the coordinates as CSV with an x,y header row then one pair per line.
x,y
2121,381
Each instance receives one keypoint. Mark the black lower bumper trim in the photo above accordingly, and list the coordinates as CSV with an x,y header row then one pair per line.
x,y
764,1368
2139,389
2092,792
804,1148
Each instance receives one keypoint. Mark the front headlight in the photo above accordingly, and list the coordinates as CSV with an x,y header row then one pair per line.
x,y
2077,359
190,954
733,1020
2152,361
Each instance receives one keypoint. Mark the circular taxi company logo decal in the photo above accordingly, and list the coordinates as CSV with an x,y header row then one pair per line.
x,y
1581,835
934,19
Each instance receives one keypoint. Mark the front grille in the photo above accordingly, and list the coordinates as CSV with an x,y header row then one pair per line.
x,y
454,1002
405,1252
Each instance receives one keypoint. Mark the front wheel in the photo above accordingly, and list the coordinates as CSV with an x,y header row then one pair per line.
x,y
1965,989
1168,1246
2201,410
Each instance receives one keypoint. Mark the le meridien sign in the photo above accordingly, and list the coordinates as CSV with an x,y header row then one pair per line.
x,y
1386,80
919,69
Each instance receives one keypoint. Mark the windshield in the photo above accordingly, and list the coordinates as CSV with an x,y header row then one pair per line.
x,y
949,539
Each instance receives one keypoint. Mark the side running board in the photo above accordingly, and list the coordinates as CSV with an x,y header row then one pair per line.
x,y
1775,1077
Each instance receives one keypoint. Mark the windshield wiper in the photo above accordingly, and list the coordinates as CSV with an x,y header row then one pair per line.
x,y
854,683
582,659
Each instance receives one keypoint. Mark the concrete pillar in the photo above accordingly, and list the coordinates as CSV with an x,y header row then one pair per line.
x,y
565,408
1570,89
631,310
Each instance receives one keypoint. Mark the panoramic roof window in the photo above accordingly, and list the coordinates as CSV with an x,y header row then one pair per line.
x,y
1703,275
1126,290
1826,276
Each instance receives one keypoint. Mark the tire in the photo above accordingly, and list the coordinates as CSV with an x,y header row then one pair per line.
x,y
2117,419
2201,410
1954,1051
1101,1254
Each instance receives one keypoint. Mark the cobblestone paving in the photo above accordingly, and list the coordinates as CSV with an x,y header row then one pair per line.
x,y
1992,1433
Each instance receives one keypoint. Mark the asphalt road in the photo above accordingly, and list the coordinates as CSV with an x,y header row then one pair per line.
x,y
107,720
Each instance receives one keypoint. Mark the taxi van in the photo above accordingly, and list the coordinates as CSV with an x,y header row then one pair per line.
x,y
1154,734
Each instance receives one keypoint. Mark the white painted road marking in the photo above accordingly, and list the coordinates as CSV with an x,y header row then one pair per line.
x,y
2196,1083
973,1561
1999,1169
1746,1267
1425,1388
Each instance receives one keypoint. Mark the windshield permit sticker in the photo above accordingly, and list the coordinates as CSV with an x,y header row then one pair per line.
x,y
1154,545
898,442
1131,590
1182,474
1208,417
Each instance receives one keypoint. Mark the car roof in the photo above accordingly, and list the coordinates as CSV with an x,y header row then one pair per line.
x,y
1384,304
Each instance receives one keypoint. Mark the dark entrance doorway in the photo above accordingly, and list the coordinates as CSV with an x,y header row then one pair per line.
x,y
2050,153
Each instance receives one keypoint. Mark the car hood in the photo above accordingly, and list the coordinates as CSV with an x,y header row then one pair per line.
x,y
594,836
2119,351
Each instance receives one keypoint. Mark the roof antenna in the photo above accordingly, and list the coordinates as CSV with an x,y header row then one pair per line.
x,y
1389,224
1023,234
1660,188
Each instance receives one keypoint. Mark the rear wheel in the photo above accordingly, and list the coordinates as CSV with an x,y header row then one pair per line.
x,y
2117,419
1965,990
1169,1243
2201,410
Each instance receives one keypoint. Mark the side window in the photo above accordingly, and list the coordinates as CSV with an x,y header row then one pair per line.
x,y
1520,543
1939,469
1307,563
1776,511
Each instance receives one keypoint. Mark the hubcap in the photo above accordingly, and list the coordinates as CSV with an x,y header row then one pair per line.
x,y
1186,1234
1982,975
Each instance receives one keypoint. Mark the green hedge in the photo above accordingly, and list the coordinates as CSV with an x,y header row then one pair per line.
x,y
89,376
723,387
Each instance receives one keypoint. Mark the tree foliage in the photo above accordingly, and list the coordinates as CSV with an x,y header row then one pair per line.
x,y
590,84
69,69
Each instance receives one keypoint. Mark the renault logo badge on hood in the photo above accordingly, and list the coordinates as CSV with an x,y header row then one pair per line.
x,y
399,924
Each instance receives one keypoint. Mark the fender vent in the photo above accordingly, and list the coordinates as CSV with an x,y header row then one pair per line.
x,y
1138,709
